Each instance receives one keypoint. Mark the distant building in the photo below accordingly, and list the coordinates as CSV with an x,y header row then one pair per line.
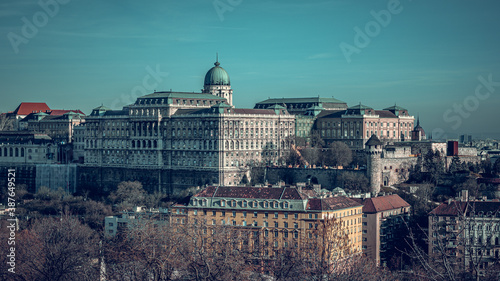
x,y
24,109
389,164
384,221
465,139
115,225
20,147
358,123
467,231
58,124
305,110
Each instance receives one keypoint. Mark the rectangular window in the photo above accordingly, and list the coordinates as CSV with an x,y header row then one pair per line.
x,y
296,216
286,215
255,214
275,215
266,214
244,214
234,213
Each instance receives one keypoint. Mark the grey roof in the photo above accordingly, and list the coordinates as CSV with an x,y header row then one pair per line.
x,y
300,100
182,95
359,106
373,141
395,107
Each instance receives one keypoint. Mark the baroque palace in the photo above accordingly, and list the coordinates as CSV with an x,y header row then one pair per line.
x,y
185,138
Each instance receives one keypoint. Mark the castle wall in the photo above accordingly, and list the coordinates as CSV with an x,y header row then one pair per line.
x,y
106,179
467,151
326,177
396,170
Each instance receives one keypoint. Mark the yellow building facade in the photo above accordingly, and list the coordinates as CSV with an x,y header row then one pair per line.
x,y
275,218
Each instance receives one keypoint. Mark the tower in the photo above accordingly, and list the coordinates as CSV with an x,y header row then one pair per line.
x,y
373,148
218,84
418,132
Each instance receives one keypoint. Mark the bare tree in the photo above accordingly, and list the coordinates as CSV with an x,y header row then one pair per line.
x,y
58,249
6,123
338,154
354,181
128,194
145,251
214,252
462,242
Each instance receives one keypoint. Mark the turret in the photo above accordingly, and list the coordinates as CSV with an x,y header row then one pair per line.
x,y
373,148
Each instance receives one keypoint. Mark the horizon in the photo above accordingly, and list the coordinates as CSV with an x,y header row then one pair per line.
x,y
438,60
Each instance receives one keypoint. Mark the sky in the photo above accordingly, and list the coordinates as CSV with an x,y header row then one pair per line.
x,y
438,59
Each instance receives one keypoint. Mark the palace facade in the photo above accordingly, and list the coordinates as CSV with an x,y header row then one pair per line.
x,y
198,135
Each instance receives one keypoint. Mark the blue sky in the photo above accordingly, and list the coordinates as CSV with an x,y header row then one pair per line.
x,y
427,57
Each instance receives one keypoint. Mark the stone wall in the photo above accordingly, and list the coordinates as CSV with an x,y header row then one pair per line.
x,y
56,176
25,174
326,177
106,179
467,151
396,170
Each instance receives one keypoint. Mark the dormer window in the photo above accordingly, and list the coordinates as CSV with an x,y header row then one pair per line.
x,y
245,204
285,205
223,203
276,204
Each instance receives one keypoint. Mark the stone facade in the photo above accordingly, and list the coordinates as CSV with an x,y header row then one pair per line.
x,y
357,124
197,135
389,164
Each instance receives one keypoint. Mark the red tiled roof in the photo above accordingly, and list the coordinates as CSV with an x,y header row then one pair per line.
x,y
26,108
384,203
452,209
455,208
271,193
331,203
58,112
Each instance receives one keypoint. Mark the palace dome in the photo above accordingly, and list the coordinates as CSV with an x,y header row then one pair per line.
x,y
217,76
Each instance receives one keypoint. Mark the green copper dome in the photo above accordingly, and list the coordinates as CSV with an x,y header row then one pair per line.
x,y
217,76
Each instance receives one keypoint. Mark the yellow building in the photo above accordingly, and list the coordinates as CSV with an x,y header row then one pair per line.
x,y
277,217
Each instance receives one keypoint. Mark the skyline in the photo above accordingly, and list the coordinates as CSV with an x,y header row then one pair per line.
x,y
438,60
